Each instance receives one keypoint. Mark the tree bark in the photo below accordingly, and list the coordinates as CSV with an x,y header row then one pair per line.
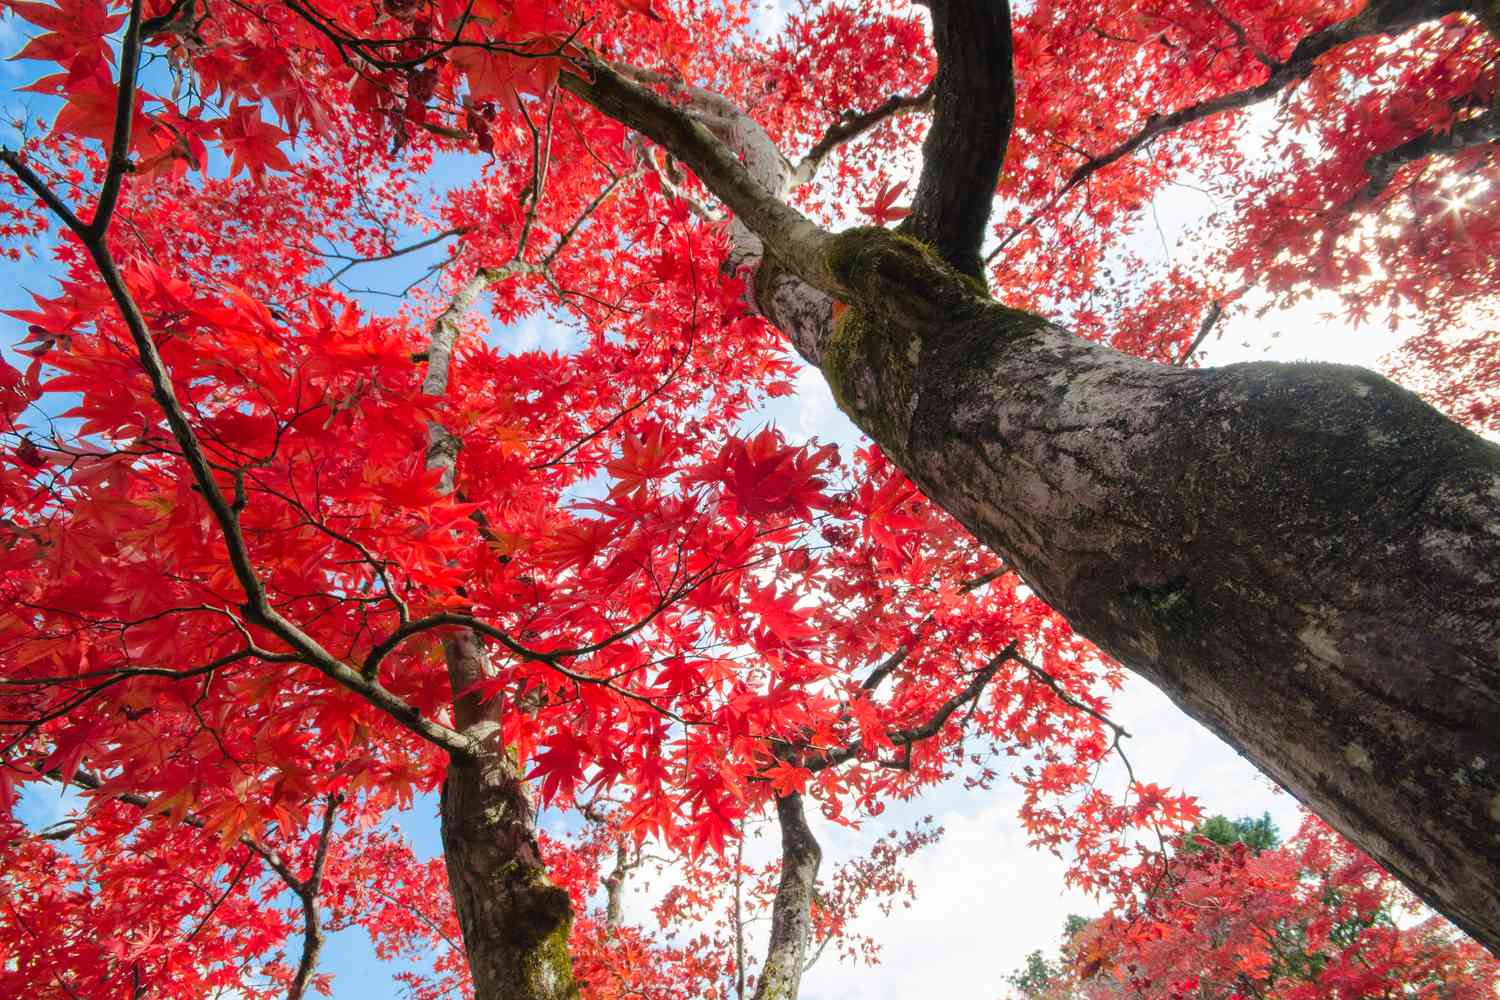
x,y
515,921
972,117
791,911
1304,557
614,890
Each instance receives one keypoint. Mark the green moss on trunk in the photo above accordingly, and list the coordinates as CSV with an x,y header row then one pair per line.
x,y
549,965
905,304
860,347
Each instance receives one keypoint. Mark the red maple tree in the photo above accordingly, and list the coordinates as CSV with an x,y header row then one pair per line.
x,y
275,561
1224,918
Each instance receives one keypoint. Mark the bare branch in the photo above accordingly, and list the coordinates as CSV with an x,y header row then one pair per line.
x,y
352,261
853,124
974,109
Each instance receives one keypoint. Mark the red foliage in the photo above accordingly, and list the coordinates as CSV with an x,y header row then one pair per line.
x,y
1315,918
670,599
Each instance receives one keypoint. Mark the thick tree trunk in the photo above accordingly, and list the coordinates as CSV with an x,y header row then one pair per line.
x,y
791,911
515,921
1305,557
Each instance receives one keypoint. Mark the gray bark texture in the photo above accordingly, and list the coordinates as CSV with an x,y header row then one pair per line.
x,y
791,911
515,921
614,890
1303,557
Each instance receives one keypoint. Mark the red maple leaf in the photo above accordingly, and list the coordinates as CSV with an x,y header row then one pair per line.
x,y
253,144
884,208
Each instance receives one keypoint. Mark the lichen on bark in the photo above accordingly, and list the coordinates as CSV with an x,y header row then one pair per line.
x,y
891,271
791,912
870,364
549,968
904,297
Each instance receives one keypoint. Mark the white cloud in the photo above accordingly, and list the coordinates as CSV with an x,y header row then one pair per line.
x,y
536,333
818,416
769,18
984,900
1311,331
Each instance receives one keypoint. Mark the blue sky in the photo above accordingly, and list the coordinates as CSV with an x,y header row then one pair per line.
x,y
985,898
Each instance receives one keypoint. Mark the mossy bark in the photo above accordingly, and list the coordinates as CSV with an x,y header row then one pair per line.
x,y
791,911
1304,557
515,921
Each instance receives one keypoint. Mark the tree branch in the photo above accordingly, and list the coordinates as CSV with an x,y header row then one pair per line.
x,y
1481,130
307,891
853,124
785,231
119,147
1210,319
884,668
1243,36
934,723
351,262
257,607
1382,17
974,109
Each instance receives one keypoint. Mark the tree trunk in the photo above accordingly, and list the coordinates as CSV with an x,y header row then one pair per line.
x,y
791,911
614,890
515,921
1305,557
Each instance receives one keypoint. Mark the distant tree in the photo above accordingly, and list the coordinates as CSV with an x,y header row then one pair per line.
x,y
1258,834
1036,977
1234,915
1042,978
